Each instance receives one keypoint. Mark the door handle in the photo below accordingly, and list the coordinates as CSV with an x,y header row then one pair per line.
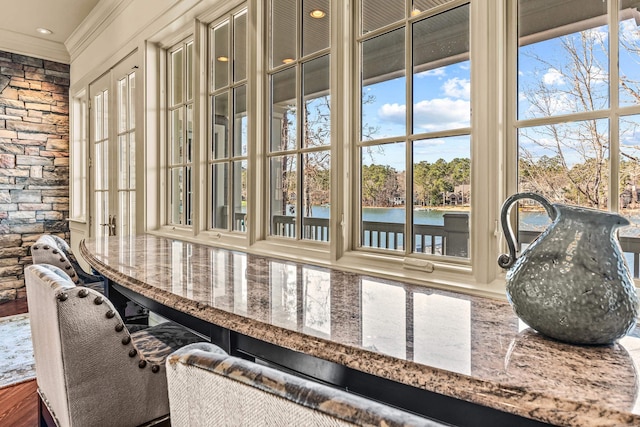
x,y
111,224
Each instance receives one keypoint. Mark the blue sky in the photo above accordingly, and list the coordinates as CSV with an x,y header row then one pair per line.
x,y
441,102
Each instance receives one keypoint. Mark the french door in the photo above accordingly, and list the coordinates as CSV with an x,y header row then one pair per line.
x,y
113,151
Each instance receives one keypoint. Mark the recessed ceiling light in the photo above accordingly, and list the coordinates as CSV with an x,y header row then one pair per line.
x,y
317,13
222,58
287,60
44,31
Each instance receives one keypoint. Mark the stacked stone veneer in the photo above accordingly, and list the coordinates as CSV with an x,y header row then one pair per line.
x,y
34,161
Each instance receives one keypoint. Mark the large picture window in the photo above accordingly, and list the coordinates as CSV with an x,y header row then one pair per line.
x,y
415,128
578,110
299,148
228,143
180,134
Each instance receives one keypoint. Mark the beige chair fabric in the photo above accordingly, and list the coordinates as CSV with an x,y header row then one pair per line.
x,y
207,387
90,370
51,249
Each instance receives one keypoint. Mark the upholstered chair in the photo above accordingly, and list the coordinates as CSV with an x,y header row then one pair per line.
x,y
207,387
90,370
51,249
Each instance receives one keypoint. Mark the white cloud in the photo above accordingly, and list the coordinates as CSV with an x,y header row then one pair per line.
x,y
437,114
553,77
438,72
457,88
393,112
599,34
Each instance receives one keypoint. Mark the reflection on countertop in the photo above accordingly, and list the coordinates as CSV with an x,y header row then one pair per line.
x,y
468,347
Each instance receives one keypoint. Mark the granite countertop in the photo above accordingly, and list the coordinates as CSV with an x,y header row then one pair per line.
x,y
467,347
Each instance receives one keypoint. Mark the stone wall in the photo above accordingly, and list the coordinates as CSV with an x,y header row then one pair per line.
x,y
34,161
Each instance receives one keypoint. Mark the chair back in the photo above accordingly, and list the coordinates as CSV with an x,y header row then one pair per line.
x,y
207,387
87,370
53,250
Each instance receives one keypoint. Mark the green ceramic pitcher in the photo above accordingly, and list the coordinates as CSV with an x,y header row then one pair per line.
x,y
572,283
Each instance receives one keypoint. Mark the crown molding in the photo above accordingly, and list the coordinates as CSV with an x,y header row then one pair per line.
x,y
24,44
99,18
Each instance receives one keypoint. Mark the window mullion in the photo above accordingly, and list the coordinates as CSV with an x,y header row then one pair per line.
x,y
614,99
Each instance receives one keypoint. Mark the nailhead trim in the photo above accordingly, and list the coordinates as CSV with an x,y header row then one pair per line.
x,y
133,352
55,251
119,327
63,296
126,340
98,300
142,364
155,369
110,314
83,293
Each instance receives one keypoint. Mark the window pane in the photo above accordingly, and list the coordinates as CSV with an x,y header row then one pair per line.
x,y
383,196
177,196
240,47
219,208
98,120
565,163
283,32
132,101
317,113
221,55
240,195
132,160
240,124
220,108
383,87
102,166
283,110
378,13
189,147
189,76
105,114
176,77
316,182
565,70
123,156
629,55
176,135
629,181
284,178
442,196
122,104
441,72
316,33
188,186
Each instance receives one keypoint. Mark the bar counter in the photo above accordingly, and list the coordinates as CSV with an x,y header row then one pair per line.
x,y
470,348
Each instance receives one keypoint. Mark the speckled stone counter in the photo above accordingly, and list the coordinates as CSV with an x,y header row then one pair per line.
x,y
471,348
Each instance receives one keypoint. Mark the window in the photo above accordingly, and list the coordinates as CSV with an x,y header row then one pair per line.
x,y
578,111
126,154
78,161
180,134
228,144
415,127
300,120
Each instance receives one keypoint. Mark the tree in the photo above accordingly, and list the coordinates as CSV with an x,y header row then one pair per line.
x,y
379,185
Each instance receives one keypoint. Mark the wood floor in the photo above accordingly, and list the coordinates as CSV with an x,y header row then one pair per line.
x,y
18,403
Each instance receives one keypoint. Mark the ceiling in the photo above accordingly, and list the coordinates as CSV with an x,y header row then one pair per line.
x,y
20,18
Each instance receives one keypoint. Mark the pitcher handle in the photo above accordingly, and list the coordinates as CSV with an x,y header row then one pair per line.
x,y
507,260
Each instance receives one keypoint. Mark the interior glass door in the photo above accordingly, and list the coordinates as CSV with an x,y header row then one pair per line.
x,y
113,152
